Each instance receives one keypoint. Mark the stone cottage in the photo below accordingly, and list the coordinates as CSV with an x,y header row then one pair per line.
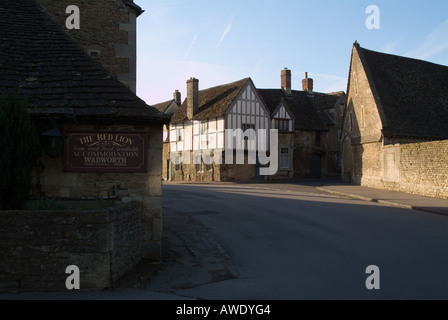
x,y
309,125
395,133
99,140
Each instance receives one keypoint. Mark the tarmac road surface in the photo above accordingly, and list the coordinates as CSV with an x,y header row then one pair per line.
x,y
289,242
284,244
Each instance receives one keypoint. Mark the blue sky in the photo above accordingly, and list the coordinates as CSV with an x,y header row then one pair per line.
x,y
224,41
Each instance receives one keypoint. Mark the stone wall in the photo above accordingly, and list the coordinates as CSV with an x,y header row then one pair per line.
x,y
331,139
105,28
424,168
146,188
215,172
418,167
369,161
37,246
304,143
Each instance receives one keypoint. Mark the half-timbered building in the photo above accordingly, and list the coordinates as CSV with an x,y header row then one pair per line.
x,y
199,128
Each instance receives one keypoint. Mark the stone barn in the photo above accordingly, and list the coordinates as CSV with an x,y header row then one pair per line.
x,y
395,133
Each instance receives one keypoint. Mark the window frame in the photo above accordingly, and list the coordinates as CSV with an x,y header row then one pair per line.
x,y
278,126
204,127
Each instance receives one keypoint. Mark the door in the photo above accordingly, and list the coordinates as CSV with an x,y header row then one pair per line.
x,y
316,166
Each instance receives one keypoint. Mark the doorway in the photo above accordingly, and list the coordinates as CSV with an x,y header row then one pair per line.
x,y
316,166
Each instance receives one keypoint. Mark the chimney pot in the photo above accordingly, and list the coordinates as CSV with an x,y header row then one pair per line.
x,y
286,80
192,97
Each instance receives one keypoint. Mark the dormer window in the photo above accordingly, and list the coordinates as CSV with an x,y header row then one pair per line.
x,y
282,125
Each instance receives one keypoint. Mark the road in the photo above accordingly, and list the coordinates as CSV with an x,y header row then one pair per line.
x,y
279,243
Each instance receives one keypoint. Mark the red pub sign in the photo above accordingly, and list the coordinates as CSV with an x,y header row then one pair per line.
x,y
99,151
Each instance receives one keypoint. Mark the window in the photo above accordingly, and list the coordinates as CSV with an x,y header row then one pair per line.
x,y
282,124
178,167
179,134
247,126
284,157
204,127
94,53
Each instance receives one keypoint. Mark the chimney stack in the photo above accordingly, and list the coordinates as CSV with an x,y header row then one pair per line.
x,y
307,83
286,80
177,97
192,97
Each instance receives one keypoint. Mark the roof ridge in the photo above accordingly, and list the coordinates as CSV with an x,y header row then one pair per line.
x,y
226,84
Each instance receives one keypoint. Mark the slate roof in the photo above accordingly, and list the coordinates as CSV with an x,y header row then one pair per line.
x,y
54,74
306,115
213,102
412,94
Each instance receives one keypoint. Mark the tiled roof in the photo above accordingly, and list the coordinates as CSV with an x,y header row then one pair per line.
x,y
413,94
324,101
163,105
305,114
213,102
54,74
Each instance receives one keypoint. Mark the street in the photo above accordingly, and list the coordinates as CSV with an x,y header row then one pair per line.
x,y
288,244
287,241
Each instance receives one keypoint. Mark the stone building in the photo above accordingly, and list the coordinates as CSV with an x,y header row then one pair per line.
x,y
105,142
309,127
199,127
395,133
